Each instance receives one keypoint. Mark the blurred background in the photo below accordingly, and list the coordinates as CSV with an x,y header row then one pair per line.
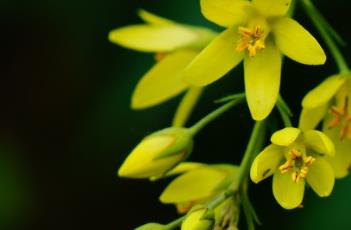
x,y
66,125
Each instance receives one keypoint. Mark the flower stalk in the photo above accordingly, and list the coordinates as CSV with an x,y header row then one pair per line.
x,y
216,113
313,13
248,155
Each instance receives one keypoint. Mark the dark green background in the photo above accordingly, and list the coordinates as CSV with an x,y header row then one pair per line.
x,y
66,125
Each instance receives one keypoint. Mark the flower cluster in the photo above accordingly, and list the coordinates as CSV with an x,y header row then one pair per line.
x,y
258,33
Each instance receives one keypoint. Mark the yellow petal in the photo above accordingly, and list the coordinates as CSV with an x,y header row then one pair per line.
x,y
225,13
151,18
262,81
141,164
297,43
186,106
319,142
194,185
153,38
217,59
266,163
184,167
341,162
321,177
310,117
272,8
286,136
288,193
324,92
163,81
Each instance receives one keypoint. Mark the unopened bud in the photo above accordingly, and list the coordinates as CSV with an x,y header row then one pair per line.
x,y
200,218
151,226
157,153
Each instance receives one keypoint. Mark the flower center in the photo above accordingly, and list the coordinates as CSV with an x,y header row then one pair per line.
x,y
251,39
342,118
297,164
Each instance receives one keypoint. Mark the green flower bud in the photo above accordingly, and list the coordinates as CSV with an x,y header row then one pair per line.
x,y
158,153
200,218
151,226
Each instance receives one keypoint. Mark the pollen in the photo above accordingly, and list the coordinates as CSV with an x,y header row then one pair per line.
x,y
297,164
341,118
251,39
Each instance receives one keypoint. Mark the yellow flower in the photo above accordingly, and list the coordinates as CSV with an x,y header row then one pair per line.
x,y
258,32
330,101
200,218
294,158
174,44
157,154
198,185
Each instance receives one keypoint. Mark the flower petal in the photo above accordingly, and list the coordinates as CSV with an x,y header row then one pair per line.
x,y
324,92
266,163
185,167
272,8
286,136
288,193
297,43
194,185
151,18
225,13
321,177
217,59
341,162
163,81
180,168
153,38
319,142
310,117
262,81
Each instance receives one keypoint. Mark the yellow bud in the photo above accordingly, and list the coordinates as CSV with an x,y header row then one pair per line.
x,y
152,226
157,153
199,219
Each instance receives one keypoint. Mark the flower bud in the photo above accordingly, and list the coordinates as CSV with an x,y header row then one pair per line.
x,y
158,153
200,218
151,226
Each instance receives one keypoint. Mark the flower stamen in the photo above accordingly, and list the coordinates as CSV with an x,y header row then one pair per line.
x,y
298,164
343,118
251,39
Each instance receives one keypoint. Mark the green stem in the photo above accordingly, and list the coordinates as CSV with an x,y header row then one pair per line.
x,y
248,216
335,35
175,223
230,97
186,106
292,8
248,155
213,115
219,199
312,12
284,112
